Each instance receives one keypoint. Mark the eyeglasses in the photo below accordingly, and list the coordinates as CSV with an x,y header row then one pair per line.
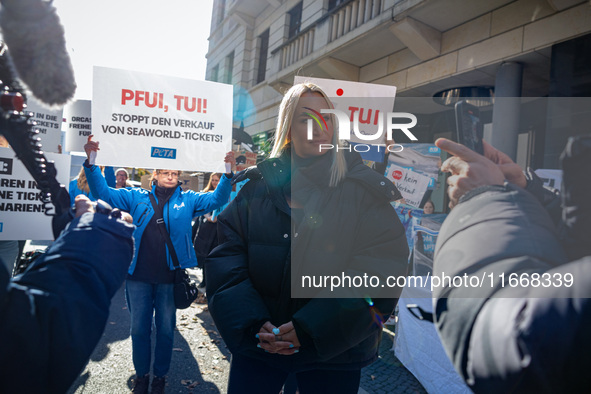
x,y
169,174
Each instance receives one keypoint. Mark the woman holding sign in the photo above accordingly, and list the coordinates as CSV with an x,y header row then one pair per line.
x,y
306,210
150,281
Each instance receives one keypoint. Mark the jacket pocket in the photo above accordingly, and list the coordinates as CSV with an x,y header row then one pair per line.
x,y
142,217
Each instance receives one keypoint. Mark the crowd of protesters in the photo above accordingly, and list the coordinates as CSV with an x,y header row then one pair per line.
x,y
522,338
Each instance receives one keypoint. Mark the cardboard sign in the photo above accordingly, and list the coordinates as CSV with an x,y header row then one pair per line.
x,y
368,102
21,211
411,185
424,159
77,125
152,121
244,159
49,123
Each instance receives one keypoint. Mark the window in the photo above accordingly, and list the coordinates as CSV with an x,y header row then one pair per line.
x,y
229,68
221,4
295,20
334,3
215,73
263,53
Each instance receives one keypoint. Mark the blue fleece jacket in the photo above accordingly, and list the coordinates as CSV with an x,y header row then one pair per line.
x,y
178,212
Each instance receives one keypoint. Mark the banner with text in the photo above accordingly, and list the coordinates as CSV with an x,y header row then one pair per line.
x,y
77,125
155,121
411,185
368,103
21,210
424,159
49,123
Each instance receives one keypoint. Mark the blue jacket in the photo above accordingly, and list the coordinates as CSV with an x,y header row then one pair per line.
x,y
180,210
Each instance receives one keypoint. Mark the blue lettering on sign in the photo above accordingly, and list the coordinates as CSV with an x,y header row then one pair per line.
x,y
1,226
163,153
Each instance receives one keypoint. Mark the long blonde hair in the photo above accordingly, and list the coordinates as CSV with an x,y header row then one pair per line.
x,y
338,169
209,187
82,182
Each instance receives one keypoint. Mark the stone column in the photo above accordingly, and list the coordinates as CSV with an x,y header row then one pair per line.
x,y
506,109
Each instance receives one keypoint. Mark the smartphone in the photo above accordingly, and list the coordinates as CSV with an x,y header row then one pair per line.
x,y
469,127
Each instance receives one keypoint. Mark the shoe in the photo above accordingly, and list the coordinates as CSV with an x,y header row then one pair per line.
x,y
201,299
140,385
158,385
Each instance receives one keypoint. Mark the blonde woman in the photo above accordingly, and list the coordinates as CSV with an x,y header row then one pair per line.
x,y
79,185
306,205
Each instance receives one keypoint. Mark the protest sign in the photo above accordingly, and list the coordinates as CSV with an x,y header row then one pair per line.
x,y
367,102
155,121
78,125
411,185
49,124
551,178
424,159
409,216
21,210
244,159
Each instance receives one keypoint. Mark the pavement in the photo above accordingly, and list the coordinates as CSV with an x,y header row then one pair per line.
x,y
201,360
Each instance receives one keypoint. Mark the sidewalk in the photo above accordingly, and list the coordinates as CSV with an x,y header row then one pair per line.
x,y
388,375
201,361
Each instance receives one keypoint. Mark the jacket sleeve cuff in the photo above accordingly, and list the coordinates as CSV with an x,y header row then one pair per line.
x,y
305,340
483,189
87,165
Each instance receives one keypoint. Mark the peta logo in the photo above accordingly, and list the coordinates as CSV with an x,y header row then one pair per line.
x,y
163,153
5,166
177,207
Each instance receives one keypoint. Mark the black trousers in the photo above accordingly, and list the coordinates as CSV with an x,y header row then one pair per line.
x,y
251,376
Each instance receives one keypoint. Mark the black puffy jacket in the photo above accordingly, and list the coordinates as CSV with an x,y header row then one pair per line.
x,y
350,228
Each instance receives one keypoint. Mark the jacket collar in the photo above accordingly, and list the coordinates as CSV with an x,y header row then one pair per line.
x,y
177,190
279,175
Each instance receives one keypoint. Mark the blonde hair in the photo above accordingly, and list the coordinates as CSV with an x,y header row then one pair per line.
x,y
209,187
82,181
338,169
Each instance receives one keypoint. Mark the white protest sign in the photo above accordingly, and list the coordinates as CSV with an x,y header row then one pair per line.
x,y
21,211
411,185
49,123
551,178
155,121
78,125
368,101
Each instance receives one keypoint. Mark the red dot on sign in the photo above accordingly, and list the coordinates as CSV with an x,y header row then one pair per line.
x,y
340,92
397,175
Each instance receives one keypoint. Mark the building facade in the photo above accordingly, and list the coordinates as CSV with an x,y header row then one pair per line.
x,y
535,49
